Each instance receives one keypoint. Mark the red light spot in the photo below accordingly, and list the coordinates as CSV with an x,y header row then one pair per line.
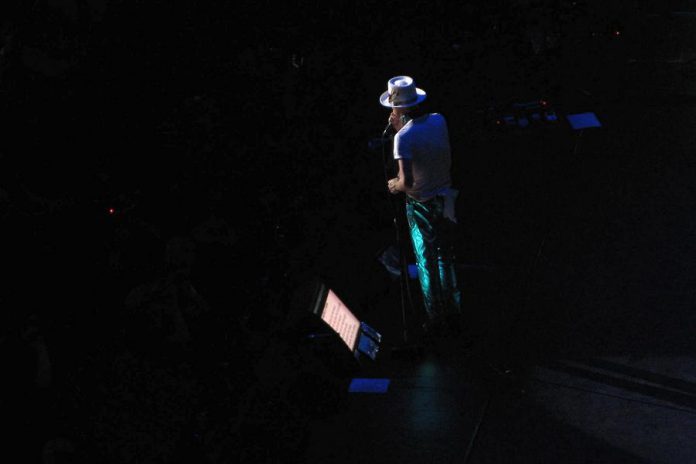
x,y
112,211
499,122
617,33
544,102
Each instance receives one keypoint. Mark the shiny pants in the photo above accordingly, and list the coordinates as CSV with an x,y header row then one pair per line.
x,y
434,252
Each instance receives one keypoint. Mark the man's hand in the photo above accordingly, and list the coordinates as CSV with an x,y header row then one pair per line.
x,y
393,185
395,120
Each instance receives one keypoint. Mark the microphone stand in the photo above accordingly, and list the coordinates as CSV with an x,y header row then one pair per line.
x,y
407,347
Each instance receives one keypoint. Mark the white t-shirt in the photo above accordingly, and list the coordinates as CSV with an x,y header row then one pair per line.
x,y
425,141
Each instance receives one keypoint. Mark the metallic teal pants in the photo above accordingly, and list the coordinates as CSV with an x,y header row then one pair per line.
x,y
435,258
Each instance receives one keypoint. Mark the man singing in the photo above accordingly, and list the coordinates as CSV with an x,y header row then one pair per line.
x,y
422,150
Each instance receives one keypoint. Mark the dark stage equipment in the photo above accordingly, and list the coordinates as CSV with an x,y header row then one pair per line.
x,y
525,115
538,114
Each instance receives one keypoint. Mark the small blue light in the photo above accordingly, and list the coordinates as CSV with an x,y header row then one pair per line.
x,y
369,386
412,271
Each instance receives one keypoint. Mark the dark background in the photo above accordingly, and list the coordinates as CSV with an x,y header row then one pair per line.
x,y
224,147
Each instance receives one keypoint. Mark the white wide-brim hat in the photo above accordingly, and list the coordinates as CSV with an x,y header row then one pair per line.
x,y
401,93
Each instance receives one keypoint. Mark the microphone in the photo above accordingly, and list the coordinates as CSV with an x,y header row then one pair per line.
x,y
387,130
378,142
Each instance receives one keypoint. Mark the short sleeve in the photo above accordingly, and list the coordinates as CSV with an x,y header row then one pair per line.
x,y
402,149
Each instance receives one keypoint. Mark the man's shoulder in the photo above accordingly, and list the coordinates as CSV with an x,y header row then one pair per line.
x,y
421,124
432,121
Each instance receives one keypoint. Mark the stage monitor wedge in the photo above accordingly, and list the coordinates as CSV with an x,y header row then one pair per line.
x,y
358,337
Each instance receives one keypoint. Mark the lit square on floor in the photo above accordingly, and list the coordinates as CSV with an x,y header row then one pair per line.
x,y
369,386
583,120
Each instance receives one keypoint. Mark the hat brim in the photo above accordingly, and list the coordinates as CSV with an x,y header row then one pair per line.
x,y
384,99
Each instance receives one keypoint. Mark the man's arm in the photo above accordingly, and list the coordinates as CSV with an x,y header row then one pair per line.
x,y
404,181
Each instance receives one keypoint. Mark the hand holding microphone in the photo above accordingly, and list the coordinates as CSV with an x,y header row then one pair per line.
x,y
396,122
